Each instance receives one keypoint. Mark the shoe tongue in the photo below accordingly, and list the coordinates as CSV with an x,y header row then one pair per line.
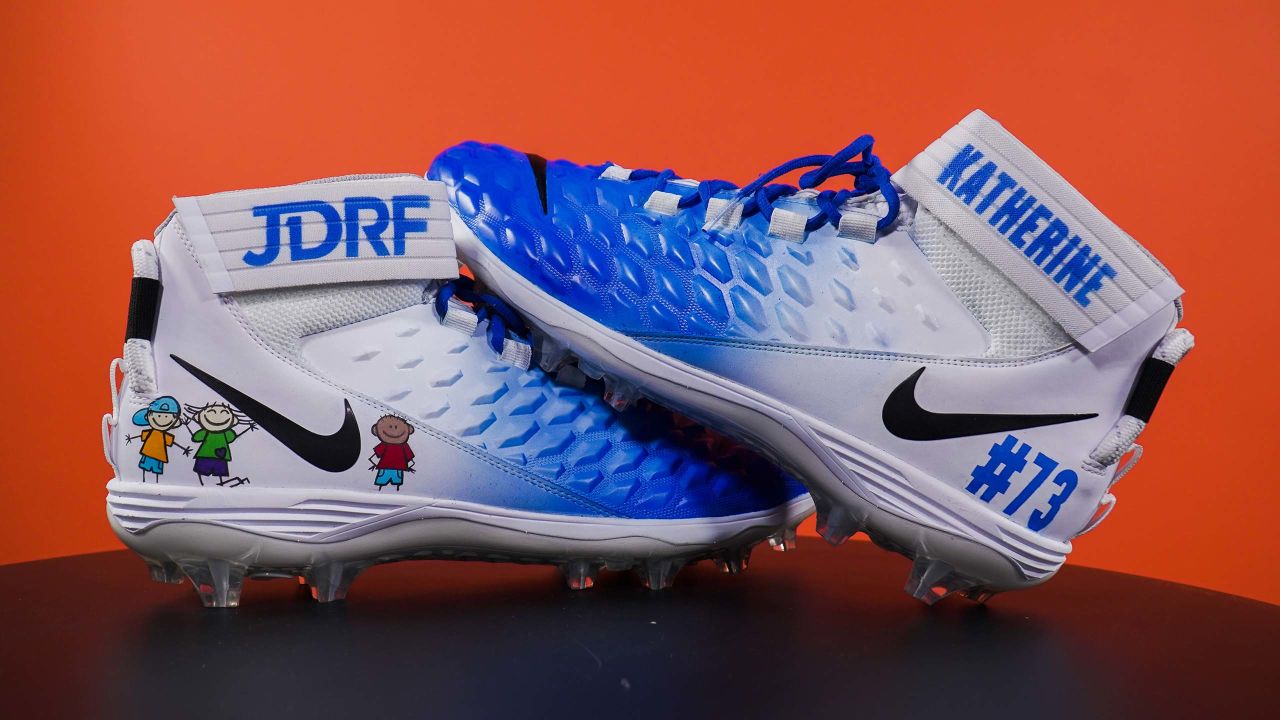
x,y
1041,233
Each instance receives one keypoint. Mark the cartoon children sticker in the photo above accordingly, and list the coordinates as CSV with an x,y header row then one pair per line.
x,y
392,457
217,430
161,416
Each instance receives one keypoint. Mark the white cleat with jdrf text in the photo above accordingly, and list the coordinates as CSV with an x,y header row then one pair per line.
x,y
309,388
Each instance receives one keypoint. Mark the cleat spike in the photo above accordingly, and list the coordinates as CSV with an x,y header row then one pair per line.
x,y
165,572
552,354
734,560
783,541
571,376
330,581
932,580
580,574
217,582
979,595
659,573
590,369
837,524
619,393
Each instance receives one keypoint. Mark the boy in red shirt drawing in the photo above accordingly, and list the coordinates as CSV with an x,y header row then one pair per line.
x,y
392,457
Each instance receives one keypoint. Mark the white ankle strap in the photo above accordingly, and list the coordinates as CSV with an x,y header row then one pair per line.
x,y
343,230
1011,207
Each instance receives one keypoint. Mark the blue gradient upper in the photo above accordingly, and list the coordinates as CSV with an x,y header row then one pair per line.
x,y
599,250
651,275
643,463
530,442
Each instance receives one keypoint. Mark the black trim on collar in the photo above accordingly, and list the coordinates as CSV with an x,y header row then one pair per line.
x,y
144,307
538,165
1147,389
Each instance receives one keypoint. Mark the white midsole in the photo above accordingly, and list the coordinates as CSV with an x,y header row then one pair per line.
x,y
316,517
833,463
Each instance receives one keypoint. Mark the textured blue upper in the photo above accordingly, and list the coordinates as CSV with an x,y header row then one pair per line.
x,y
541,445
650,275
643,463
600,250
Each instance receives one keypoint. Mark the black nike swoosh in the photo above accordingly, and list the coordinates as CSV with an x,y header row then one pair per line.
x,y
334,453
904,417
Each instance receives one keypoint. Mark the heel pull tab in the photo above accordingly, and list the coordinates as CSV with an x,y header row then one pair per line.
x,y
1152,378
1156,371
144,292
140,328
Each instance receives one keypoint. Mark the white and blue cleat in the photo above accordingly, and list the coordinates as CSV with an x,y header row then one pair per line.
x,y
309,388
954,359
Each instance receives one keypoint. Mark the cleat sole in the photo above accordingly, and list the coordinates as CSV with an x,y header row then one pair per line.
x,y
217,558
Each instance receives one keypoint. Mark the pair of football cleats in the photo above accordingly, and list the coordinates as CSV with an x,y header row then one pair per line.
x,y
639,372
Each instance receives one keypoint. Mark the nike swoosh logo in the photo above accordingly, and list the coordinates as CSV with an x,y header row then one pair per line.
x,y
335,453
904,417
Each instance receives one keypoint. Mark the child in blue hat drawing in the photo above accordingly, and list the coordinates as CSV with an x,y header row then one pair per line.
x,y
161,416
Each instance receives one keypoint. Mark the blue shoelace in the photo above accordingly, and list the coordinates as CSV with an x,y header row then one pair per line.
x,y
501,317
869,175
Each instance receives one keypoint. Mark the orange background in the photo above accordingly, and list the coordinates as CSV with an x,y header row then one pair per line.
x,y
1165,114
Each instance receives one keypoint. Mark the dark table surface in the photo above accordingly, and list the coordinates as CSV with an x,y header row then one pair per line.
x,y
822,633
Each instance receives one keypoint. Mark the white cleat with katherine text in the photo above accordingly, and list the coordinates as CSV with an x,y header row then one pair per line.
x,y
954,358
